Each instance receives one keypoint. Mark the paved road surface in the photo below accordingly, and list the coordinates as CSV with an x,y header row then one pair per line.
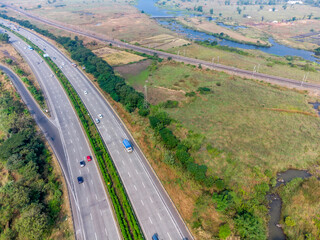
x,y
93,217
218,67
153,207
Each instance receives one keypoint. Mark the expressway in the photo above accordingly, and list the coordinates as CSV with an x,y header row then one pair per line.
x,y
214,66
153,207
92,213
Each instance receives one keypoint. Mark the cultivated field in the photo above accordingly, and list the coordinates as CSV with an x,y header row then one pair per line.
x,y
117,57
162,41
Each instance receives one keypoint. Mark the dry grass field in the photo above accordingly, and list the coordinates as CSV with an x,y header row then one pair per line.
x,y
117,57
162,41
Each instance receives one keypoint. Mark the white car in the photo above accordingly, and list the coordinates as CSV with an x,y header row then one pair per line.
x,y
100,115
85,92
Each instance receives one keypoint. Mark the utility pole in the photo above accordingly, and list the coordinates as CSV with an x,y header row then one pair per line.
x,y
254,69
304,79
145,103
212,60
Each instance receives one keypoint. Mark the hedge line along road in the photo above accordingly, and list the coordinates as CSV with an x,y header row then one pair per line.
x,y
219,67
92,214
153,207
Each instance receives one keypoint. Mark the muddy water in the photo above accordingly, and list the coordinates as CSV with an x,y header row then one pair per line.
x,y
275,231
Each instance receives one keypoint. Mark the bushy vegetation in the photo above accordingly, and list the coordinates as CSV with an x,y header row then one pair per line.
x,y
37,94
301,196
30,199
4,37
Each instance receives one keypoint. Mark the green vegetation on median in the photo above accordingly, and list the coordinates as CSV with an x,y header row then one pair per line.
x,y
30,191
128,223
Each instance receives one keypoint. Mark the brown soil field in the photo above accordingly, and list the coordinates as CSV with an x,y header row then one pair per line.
x,y
162,41
117,57
132,69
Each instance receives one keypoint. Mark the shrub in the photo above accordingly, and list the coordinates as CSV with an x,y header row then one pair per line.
x,y
222,200
249,226
204,90
168,138
224,231
190,94
171,104
144,112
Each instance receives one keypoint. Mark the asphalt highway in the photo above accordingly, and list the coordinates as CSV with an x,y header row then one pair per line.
x,y
214,66
154,209
93,217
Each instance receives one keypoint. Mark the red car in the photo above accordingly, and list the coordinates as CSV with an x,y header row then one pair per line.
x,y
89,158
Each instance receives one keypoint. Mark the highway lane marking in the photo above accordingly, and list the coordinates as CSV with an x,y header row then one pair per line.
x,y
129,174
101,213
88,170
91,182
151,199
143,185
169,236
135,187
150,220
159,216
142,202
137,171
122,162
87,199
96,196
130,159
91,216
95,236
74,150
106,231
79,171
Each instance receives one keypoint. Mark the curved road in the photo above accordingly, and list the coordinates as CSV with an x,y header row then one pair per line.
x,y
154,209
93,217
218,67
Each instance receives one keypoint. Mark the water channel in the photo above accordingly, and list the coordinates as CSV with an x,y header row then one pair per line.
x,y
149,7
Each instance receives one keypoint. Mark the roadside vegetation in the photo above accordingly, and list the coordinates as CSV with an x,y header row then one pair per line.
x,y
240,157
30,190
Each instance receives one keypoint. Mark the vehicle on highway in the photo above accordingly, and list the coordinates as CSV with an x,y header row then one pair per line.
x,y
89,158
82,163
155,236
30,48
100,115
97,120
85,92
127,145
80,180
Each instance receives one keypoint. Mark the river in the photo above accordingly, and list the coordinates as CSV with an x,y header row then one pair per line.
x,y
149,7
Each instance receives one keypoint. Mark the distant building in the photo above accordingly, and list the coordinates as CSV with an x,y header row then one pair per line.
x,y
294,2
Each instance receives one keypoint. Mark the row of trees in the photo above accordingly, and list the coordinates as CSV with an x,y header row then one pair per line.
x,y
31,198
159,122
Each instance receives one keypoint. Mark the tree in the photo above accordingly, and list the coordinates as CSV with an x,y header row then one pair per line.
x,y
224,231
239,10
211,11
4,37
249,226
32,223
317,51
